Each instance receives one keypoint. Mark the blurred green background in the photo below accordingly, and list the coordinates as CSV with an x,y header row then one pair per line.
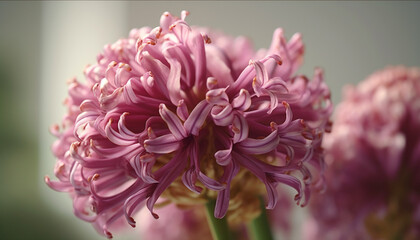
x,y
350,40
23,215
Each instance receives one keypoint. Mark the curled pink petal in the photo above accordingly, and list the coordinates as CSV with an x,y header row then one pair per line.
x,y
182,110
210,183
175,167
143,167
116,137
242,101
223,157
222,116
261,73
212,83
189,179
259,146
163,144
240,128
174,85
218,97
222,202
174,124
197,117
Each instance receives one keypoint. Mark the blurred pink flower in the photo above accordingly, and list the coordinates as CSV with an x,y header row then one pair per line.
x,y
191,223
175,223
175,108
373,158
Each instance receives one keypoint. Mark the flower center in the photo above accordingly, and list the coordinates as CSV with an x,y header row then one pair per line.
x,y
245,188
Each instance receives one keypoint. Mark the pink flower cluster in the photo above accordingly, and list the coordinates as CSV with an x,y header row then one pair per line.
x,y
373,157
182,104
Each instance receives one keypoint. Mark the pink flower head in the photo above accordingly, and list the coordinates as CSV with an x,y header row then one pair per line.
x,y
373,155
180,114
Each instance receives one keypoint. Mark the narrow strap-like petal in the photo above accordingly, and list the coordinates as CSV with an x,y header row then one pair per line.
x,y
182,110
222,202
197,117
174,81
290,181
240,128
223,157
160,73
259,146
162,145
218,66
189,178
196,45
261,72
116,137
173,122
181,54
143,167
218,97
209,182
222,116
242,101
168,174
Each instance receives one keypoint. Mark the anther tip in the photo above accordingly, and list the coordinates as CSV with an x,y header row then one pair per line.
x,y
108,234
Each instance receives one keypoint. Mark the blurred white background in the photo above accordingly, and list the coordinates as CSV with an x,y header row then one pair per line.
x,y
43,44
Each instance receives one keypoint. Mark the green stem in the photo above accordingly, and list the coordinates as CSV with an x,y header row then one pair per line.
x,y
260,226
219,227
